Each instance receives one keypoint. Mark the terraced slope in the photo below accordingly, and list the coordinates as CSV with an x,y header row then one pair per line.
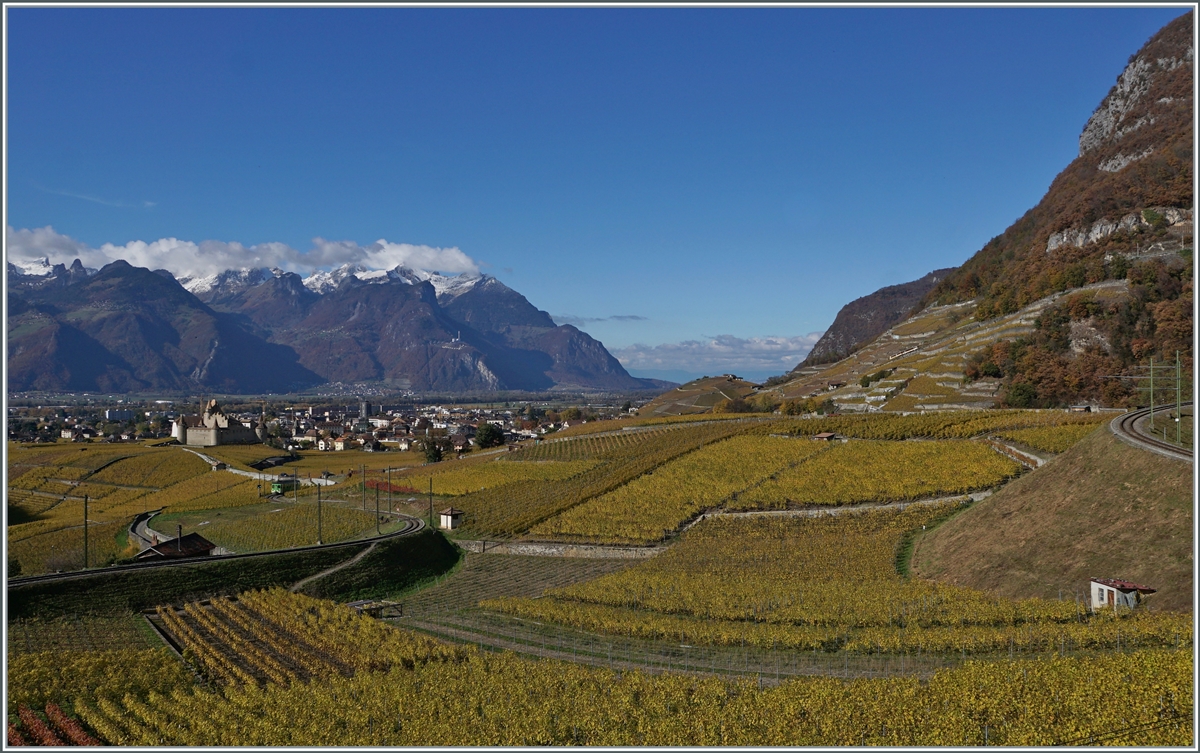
x,y
698,396
927,355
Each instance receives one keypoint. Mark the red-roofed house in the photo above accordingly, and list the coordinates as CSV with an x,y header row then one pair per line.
x,y
1110,592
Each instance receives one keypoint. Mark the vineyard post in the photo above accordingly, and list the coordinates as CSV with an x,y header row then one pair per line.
x,y
362,472
390,505
431,501
85,541
377,531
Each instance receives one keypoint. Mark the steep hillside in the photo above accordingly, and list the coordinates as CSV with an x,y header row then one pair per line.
x,y
865,318
944,357
1135,154
1102,509
396,333
507,318
1088,285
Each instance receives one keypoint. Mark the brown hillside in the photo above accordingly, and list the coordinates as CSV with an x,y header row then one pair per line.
x,y
1135,153
1102,509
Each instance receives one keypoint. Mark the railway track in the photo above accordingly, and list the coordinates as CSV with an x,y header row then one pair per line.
x,y
1125,428
412,525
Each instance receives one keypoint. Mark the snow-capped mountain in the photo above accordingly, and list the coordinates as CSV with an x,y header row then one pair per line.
x,y
461,333
229,281
36,268
446,287
40,273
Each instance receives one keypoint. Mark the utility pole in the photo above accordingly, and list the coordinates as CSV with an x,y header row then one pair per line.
x,y
390,505
1151,394
1178,402
85,541
362,471
377,531
318,508
431,501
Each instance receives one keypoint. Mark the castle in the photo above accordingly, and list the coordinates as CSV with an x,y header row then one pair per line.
x,y
213,427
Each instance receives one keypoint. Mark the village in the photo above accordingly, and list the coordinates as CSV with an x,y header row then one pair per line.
x,y
359,425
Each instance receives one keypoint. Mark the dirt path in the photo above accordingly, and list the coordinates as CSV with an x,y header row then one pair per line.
x,y
767,666
348,563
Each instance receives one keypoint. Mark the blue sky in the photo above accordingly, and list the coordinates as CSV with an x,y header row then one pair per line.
x,y
701,189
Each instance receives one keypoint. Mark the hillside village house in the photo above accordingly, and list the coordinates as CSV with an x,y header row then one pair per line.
x,y
1111,592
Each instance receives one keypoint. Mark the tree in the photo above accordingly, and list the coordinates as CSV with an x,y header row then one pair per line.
x,y
433,453
1021,395
736,405
489,435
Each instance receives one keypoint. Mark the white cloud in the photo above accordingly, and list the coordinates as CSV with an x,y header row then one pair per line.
x,y
583,321
189,259
720,354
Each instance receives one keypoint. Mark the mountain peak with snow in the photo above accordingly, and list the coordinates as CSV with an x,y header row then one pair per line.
x,y
446,286
229,281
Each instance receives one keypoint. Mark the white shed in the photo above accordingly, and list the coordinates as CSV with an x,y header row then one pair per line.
x,y
1111,592
450,518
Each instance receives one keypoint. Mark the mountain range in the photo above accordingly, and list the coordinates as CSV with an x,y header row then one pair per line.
x,y
127,329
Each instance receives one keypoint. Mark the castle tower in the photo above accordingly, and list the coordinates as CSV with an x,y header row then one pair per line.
x,y
261,430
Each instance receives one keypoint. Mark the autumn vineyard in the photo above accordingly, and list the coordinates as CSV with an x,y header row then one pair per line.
x,y
774,567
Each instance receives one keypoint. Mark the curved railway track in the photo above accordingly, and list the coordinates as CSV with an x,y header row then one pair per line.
x,y
1125,427
412,525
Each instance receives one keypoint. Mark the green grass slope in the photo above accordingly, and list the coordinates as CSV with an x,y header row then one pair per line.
x,y
1102,509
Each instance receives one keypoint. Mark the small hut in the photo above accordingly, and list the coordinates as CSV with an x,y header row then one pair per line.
x,y
450,518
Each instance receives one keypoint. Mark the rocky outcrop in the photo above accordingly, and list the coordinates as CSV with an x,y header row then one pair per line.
x,y
1101,229
1119,115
